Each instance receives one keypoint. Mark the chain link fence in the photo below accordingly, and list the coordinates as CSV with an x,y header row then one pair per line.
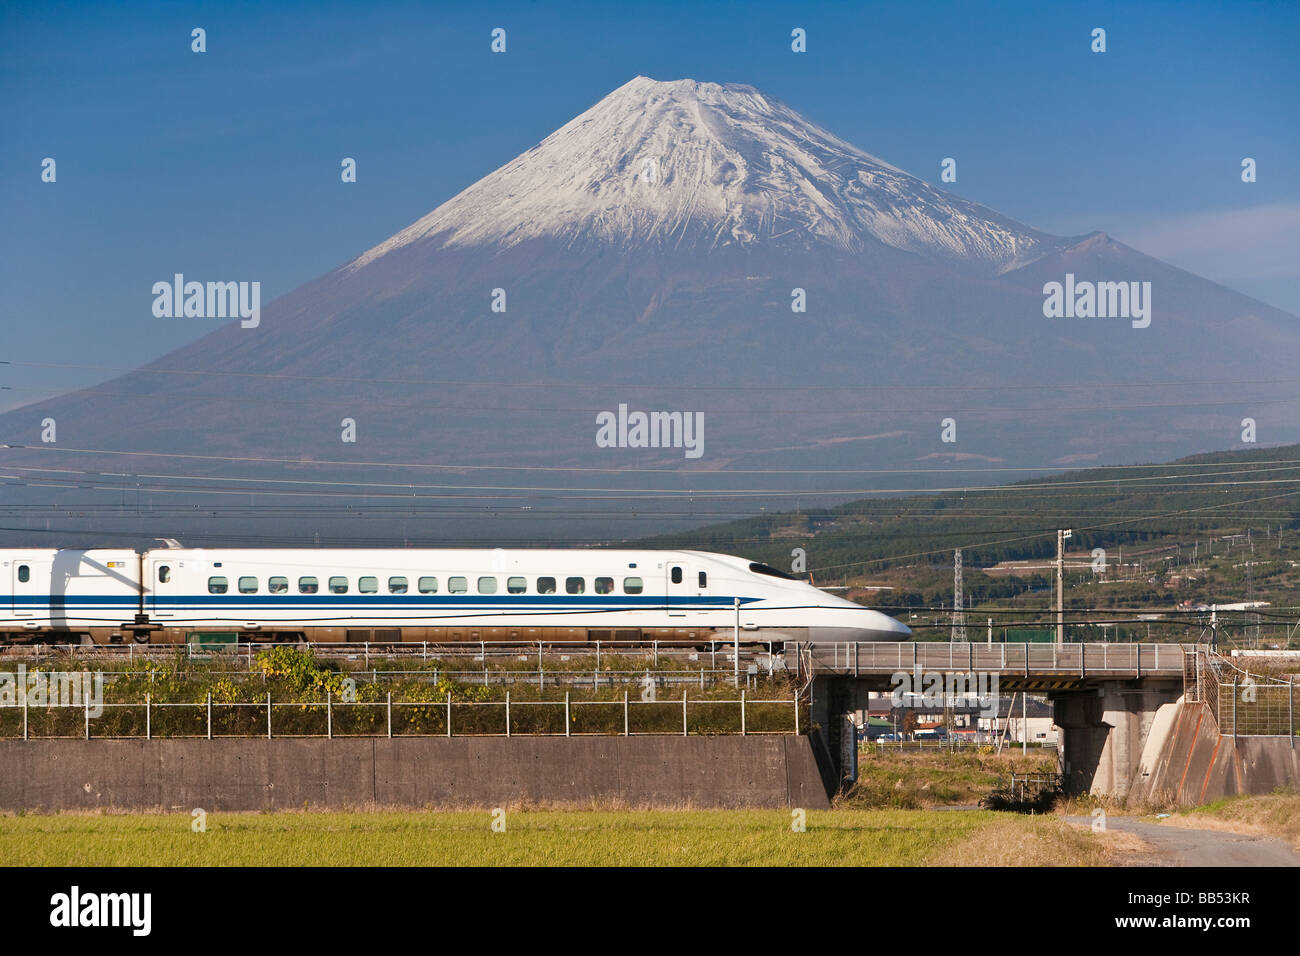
x,y
1244,703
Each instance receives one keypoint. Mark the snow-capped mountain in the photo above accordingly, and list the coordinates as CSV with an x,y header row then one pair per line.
x,y
646,254
695,166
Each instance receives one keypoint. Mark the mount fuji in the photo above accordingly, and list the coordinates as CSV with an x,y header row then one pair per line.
x,y
698,167
652,252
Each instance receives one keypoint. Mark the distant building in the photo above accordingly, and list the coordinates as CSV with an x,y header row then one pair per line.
x,y
960,718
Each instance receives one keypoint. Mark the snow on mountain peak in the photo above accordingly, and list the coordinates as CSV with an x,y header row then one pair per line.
x,y
697,166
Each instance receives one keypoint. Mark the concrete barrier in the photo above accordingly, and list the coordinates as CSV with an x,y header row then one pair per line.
x,y
1195,764
253,774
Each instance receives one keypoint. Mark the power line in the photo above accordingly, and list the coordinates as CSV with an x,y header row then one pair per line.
x,y
675,386
1027,537
572,494
693,473
176,397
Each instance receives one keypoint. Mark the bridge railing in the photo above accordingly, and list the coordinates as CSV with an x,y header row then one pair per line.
x,y
1083,660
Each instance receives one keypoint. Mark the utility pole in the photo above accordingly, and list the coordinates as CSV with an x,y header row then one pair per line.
x,y
1061,535
1024,724
958,613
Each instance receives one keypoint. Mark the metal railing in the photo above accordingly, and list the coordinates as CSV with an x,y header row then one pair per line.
x,y
1256,705
1024,786
845,658
715,648
445,717
1242,703
544,664
603,661
1081,660
950,743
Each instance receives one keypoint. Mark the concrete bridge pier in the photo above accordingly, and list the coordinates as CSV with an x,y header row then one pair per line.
x,y
1103,732
834,734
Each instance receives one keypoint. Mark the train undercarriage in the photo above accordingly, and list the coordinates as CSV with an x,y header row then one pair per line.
x,y
161,634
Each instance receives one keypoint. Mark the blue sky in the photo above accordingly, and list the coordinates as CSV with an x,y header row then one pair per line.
x,y
226,164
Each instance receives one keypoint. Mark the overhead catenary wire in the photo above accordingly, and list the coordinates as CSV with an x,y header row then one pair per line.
x,y
675,386
354,403
1027,537
691,472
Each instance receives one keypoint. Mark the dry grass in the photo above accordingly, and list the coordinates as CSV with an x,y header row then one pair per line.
x,y
1275,815
1015,840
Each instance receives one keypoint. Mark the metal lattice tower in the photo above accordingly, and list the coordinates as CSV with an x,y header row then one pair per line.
x,y
958,602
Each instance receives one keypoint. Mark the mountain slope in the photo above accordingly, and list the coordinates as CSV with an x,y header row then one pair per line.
x,y
675,292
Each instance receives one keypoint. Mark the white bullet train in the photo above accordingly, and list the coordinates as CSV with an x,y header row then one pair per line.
x,y
179,595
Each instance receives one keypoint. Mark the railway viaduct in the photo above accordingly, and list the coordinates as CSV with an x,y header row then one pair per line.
x,y
1106,697
1139,722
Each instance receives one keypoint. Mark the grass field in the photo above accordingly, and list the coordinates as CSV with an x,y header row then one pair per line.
x,y
842,837
908,780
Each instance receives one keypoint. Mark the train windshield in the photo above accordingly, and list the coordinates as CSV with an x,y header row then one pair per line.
x,y
772,572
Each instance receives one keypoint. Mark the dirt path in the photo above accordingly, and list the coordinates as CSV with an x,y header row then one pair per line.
x,y
1180,846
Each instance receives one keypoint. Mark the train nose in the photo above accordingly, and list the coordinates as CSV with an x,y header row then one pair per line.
x,y
861,625
894,629
882,627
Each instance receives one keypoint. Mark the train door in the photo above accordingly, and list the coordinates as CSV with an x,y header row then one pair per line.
x,y
30,581
160,585
677,584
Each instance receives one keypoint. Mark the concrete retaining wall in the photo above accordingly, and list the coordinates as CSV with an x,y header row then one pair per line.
x,y
255,774
1195,765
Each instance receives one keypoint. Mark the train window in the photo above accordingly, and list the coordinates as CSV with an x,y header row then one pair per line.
x,y
516,585
24,573
218,585
278,585
427,585
397,585
368,585
458,585
164,574
633,585
338,585
308,585
487,585
575,585
248,585
677,575
546,585
604,585
704,579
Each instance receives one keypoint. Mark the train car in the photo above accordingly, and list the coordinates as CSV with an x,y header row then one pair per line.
x,y
64,596
176,595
